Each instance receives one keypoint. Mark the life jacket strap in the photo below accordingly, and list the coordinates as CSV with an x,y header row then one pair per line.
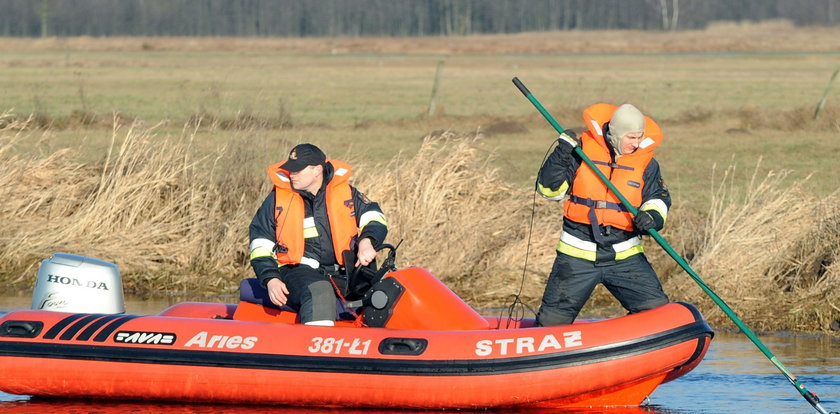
x,y
597,203
614,165
593,218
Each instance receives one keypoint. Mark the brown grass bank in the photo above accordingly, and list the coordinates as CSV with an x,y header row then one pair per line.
x,y
173,221
771,252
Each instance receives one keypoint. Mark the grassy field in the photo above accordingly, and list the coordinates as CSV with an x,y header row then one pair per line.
x,y
734,102
716,107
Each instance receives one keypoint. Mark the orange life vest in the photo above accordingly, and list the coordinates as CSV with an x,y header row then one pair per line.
x,y
592,198
289,213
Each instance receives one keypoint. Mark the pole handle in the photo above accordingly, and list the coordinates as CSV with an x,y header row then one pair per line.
x,y
521,86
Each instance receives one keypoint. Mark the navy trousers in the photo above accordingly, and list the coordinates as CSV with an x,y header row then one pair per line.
x,y
632,281
311,293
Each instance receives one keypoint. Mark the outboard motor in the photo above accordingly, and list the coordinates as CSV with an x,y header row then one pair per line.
x,y
80,284
413,298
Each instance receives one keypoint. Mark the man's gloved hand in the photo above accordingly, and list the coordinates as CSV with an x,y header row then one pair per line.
x,y
648,219
568,140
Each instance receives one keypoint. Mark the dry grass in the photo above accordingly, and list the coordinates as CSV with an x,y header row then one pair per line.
x,y
171,203
771,253
174,222
454,212
149,206
751,118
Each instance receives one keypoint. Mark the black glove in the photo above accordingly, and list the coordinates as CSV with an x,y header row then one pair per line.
x,y
648,219
567,141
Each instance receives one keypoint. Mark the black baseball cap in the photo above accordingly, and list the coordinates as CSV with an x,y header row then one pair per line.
x,y
304,155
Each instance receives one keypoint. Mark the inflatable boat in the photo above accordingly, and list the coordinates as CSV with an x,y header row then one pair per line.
x,y
410,342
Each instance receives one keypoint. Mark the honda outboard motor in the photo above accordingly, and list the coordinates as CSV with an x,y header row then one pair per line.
x,y
73,283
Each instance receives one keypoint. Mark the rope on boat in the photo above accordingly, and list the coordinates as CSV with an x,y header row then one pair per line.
x,y
517,306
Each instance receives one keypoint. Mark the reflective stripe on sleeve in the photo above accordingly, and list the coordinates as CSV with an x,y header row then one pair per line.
x,y
552,194
261,248
370,216
658,205
260,252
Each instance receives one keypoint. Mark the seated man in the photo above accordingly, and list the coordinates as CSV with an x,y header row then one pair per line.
x,y
303,226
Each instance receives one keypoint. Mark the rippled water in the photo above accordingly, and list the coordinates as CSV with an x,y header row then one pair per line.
x,y
735,377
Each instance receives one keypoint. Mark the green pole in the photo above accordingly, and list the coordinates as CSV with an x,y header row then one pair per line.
x,y
821,104
809,396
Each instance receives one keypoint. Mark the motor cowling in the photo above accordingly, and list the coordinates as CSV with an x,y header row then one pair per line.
x,y
80,284
413,298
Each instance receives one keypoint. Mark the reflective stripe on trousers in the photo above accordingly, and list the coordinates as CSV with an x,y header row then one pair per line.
x,y
587,250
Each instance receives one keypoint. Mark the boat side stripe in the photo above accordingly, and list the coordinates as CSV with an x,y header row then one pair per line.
x,y
108,330
698,331
90,330
701,343
58,327
694,311
73,329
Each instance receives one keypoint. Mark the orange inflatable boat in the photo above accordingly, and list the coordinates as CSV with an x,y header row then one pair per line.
x,y
413,344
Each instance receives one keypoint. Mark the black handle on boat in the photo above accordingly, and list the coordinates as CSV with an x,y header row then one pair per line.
x,y
808,395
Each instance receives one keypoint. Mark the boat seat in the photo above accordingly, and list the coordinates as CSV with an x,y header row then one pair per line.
x,y
255,305
200,310
250,290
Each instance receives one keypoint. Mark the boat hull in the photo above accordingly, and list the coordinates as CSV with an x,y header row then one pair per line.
x,y
615,362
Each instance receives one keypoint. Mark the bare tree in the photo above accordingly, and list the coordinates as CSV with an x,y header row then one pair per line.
x,y
45,17
662,8
386,17
675,13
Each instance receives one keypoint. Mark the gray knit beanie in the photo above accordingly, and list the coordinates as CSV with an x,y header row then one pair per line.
x,y
627,119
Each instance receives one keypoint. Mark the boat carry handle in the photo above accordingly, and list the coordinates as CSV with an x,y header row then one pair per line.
x,y
403,346
21,329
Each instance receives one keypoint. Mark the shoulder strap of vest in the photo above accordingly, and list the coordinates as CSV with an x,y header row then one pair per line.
x,y
595,116
653,135
278,176
342,172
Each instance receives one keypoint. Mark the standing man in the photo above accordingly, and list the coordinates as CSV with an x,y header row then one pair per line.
x,y
601,241
302,228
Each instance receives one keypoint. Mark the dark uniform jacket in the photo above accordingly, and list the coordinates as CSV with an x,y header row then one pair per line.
x,y
263,226
561,166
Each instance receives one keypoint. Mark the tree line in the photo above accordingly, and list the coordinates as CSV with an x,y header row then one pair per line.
x,y
298,18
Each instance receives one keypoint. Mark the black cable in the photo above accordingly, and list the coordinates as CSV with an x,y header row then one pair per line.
x,y
518,305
